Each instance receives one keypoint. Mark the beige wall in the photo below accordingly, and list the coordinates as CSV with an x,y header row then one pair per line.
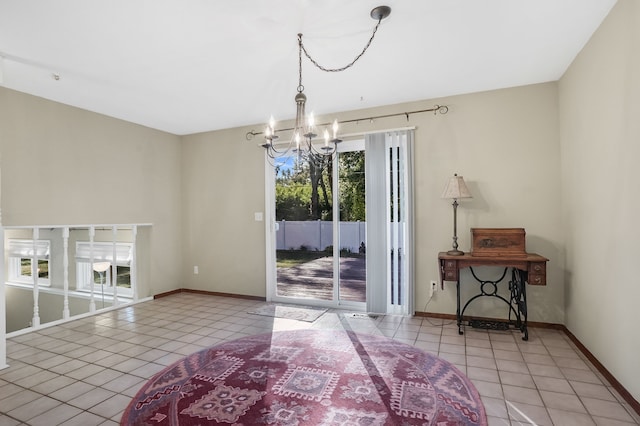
x,y
63,165
504,142
223,186
600,140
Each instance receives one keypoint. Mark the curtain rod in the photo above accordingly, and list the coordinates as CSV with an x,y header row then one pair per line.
x,y
442,109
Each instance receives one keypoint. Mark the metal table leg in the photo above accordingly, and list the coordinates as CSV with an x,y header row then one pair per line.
x,y
518,289
489,288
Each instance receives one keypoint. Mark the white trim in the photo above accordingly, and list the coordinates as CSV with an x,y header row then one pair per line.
x,y
374,132
66,313
3,306
34,275
270,229
92,234
411,224
115,266
100,227
335,199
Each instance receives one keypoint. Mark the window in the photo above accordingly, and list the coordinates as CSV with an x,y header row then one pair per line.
x,y
105,273
21,254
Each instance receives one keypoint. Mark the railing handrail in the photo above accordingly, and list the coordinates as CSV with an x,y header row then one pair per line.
x,y
81,226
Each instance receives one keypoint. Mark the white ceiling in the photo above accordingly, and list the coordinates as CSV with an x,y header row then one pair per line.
x,y
188,66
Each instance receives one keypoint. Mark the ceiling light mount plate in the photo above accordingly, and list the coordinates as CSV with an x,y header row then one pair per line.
x,y
380,12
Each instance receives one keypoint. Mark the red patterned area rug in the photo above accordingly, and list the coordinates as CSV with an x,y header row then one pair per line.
x,y
308,377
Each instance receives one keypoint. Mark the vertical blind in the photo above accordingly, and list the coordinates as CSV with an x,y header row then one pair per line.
x,y
390,248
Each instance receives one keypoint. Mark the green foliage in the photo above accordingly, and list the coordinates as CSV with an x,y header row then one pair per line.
x,y
293,193
304,191
289,258
43,267
352,187
344,252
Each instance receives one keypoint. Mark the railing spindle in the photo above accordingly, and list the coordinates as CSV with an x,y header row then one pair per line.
x,y
134,263
92,302
114,273
65,266
35,322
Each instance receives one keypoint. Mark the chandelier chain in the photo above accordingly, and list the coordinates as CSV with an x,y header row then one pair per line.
x,y
349,65
300,47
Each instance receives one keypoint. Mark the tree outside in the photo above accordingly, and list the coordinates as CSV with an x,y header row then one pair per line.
x,y
304,190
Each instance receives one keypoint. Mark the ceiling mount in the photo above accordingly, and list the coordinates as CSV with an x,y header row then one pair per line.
x,y
380,12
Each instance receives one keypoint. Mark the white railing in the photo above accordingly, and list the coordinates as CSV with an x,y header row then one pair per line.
x,y
63,303
318,235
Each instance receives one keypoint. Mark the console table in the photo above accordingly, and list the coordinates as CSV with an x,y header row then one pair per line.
x,y
526,268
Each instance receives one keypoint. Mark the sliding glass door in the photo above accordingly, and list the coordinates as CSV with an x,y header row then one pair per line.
x,y
350,202
340,233
319,251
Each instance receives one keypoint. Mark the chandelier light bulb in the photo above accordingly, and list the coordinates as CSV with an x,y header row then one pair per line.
x,y
272,123
326,138
335,129
311,121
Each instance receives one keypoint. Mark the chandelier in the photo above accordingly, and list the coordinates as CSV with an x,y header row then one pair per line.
x,y
301,143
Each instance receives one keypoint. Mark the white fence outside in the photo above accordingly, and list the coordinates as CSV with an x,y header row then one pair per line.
x,y
318,235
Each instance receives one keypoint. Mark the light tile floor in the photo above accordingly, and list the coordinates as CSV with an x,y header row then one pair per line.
x,y
86,371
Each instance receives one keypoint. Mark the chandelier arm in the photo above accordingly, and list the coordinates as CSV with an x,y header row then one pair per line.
x,y
314,62
273,149
314,150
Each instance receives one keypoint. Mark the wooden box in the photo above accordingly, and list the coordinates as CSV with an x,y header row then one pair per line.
x,y
498,242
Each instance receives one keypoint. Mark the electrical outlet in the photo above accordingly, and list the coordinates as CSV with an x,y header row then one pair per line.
x,y
432,288
434,285
195,270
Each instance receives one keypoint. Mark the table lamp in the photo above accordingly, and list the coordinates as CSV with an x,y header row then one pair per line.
x,y
101,268
455,189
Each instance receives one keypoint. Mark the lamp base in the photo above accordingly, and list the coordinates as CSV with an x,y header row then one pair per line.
x,y
455,252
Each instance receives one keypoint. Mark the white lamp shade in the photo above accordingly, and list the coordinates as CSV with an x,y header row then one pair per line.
x,y
101,266
456,188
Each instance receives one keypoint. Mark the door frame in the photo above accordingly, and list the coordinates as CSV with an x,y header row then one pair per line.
x,y
270,236
270,241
